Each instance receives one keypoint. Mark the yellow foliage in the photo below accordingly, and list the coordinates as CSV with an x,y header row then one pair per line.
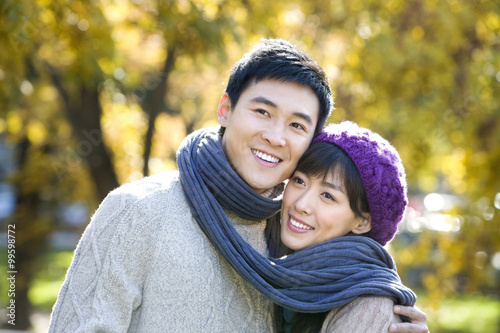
x,y
36,132
493,21
457,137
433,94
107,65
14,122
116,12
211,11
452,167
455,6
123,127
352,59
417,33
240,14
170,131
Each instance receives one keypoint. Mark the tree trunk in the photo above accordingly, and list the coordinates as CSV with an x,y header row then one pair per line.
x,y
86,122
84,114
154,103
30,234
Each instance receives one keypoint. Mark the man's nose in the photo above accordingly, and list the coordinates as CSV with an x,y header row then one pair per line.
x,y
275,136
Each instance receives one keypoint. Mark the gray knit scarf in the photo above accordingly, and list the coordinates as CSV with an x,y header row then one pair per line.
x,y
315,279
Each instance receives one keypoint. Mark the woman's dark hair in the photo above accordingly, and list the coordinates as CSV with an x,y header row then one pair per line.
x,y
323,158
279,60
320,160
300,322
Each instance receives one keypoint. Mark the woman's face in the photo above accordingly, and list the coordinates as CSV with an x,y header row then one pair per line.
x,y
316,209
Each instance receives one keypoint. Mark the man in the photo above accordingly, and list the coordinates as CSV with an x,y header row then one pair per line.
x,y
145,265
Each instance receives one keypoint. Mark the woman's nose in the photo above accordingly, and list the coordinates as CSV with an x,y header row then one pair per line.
x,y
304,203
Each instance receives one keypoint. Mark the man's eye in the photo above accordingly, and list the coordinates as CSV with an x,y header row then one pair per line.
x,y
263,112
298,126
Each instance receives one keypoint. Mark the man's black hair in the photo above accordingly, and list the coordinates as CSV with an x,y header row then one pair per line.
x,y
277,59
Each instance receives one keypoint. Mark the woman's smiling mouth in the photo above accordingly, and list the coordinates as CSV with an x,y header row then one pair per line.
x,y
298,226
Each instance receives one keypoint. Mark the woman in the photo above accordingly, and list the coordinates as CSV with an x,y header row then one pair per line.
x,y
350,182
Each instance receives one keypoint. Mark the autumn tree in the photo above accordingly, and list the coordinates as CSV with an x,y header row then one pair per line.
x,y
97,93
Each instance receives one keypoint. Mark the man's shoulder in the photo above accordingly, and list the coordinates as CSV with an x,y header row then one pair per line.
x,y
149,192
144,200
149,186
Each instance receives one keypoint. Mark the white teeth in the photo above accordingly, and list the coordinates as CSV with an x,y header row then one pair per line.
x,y
300,225
265,157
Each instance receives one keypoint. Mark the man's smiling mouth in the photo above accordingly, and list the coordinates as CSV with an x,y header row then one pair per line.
x,y
266,157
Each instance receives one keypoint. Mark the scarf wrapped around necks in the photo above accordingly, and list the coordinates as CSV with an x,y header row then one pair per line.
x,y
316,279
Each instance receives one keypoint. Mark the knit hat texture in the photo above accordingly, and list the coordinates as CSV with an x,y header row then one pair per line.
x,y
381,171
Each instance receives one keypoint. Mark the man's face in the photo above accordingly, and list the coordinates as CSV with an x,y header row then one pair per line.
x,y
268,130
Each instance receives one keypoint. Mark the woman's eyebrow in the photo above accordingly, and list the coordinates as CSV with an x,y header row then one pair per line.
x,y
334,186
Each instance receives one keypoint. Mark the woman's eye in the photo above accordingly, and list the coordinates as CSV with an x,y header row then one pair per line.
x,y
298,180
328,196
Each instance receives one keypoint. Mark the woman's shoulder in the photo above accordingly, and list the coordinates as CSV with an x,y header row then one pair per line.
x,y
364,314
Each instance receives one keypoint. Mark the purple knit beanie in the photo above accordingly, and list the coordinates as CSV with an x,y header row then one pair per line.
x,y
381,171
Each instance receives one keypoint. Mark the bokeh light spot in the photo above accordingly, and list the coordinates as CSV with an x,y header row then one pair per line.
x,y
434,202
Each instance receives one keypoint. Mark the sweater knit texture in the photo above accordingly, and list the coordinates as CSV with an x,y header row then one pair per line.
x,y
144,265
363,315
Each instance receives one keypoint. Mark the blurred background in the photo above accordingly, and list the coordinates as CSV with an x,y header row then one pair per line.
x,y
94,94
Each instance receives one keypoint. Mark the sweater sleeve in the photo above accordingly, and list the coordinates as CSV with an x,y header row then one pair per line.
x,y
102,289
364,314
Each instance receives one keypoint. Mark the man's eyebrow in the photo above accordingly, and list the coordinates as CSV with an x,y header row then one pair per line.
x,y
304,116
262,99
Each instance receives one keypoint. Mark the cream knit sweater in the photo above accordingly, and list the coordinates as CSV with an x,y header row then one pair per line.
x,y
363,315
144,265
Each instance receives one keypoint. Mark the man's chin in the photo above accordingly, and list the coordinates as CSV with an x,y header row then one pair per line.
x,y
262,187
261,181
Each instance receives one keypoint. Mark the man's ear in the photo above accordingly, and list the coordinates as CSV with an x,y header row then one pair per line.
x,y
362,225
224,109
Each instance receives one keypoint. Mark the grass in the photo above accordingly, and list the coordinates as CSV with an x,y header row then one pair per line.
x,y
47,281
462,313
46,285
